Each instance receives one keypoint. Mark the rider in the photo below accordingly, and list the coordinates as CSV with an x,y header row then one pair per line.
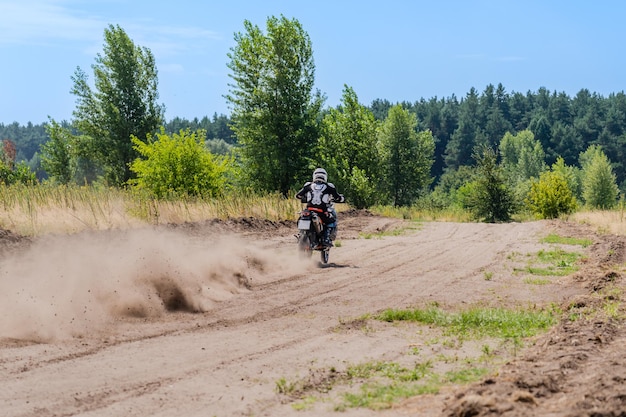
x,y
320,194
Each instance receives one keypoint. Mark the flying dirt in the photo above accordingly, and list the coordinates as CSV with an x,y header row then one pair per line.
x,y
223,318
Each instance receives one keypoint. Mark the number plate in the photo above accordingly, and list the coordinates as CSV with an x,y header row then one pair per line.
x,y
304,224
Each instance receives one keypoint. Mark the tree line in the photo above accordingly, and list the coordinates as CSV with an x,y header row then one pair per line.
x,y
441,151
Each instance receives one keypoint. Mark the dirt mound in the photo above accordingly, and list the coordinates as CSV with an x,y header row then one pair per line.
x,y
576,369
241,225
10,241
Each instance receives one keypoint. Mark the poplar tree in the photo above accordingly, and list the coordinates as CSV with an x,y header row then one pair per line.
x,y
122,104
348,150
274,109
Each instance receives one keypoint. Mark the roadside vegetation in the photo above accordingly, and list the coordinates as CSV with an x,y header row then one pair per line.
x,y
493,333
492,156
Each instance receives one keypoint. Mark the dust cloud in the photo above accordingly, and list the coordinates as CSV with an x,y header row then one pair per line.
x,y
66,286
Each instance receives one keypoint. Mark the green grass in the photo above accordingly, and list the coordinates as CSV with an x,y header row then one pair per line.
x,y
378,385
376,396
556,262
553,238
536,281
478,322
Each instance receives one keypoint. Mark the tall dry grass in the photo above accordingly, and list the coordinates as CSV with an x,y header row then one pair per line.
x,y
43,209
423,214
603,221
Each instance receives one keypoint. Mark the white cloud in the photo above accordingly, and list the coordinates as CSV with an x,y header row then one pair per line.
x,y
37,22
55,22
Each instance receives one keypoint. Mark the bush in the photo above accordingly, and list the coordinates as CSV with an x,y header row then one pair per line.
x,y
21,173
551,196
488,197
179,165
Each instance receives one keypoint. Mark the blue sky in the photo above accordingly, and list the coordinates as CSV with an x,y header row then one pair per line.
x,y
399,50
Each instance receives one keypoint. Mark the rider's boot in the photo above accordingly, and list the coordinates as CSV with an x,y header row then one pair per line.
x,y
327,242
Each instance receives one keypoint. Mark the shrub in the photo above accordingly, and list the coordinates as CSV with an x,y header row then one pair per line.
x,y
551,196
178,165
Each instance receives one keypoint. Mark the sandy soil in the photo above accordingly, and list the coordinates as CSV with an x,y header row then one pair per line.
x,y
207,320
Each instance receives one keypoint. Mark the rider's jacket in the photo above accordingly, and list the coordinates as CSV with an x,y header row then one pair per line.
x,y
319,195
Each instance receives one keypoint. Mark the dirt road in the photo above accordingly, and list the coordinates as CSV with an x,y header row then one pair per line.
x,y
224,319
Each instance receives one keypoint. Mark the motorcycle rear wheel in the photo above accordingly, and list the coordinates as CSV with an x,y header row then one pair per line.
x,y
324,255
304,245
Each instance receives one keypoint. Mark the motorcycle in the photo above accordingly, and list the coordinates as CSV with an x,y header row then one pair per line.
x,y
310,235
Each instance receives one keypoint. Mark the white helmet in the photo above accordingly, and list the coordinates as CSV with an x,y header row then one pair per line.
x,y
320,175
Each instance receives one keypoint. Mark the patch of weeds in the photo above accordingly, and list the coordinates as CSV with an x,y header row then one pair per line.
x,y
559,263
487,350
513,256
612,308
414,351
553,238
477,322
306,403
488,275
386,383
376,396
536,281
390,370
285,387
464,376
612,302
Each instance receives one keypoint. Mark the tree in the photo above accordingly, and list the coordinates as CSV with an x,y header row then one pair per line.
x,y
407,156
572,176
599,187
178,165
467,135
488,197
522,156
56,154
551,196
348,150
122,105
274,110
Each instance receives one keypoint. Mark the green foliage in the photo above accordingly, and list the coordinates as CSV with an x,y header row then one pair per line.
x,y
56,156
488,197
599,184
19,173
477,321
274,110
554,263
407,157
551,196
450,191
572,174
554,238
522,156
363,189
348,151
468,135
122,105
178,165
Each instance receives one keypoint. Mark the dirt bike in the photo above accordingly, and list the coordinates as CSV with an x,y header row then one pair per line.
x,y
310,235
